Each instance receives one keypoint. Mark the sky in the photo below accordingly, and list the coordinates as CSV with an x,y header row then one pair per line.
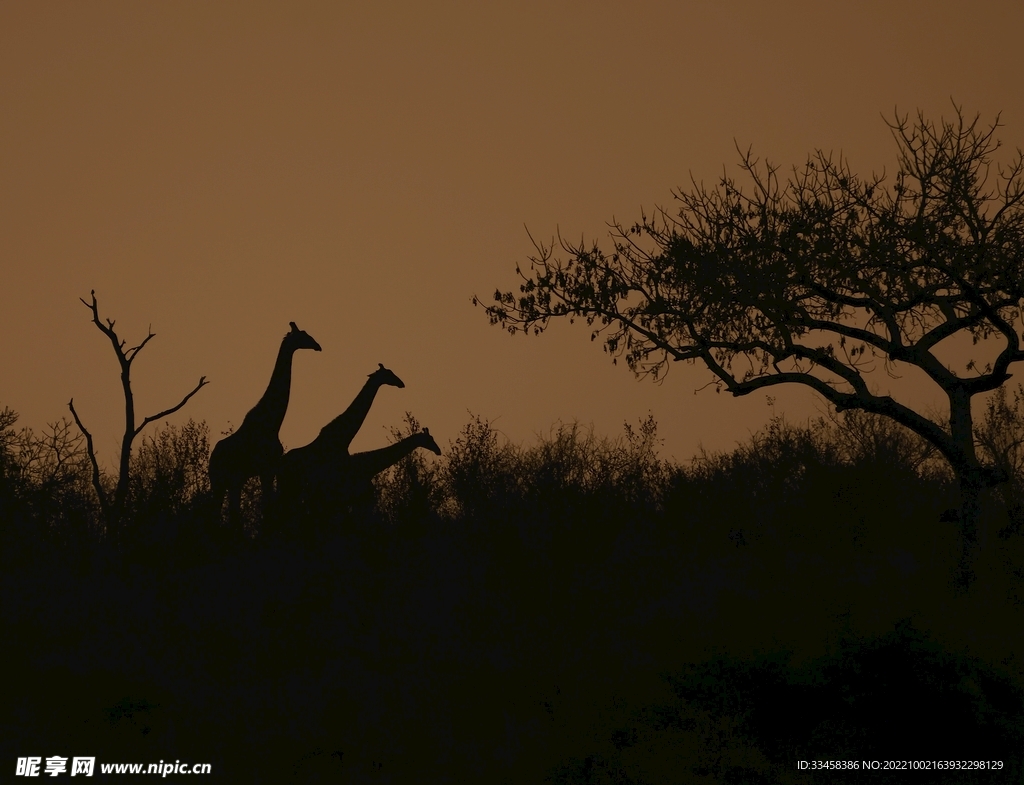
x,y
217,170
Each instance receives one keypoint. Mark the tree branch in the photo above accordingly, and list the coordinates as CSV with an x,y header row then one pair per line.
x,y
107,329
173,409
92,459
131,353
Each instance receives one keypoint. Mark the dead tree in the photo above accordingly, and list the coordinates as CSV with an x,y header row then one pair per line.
x,y
113,509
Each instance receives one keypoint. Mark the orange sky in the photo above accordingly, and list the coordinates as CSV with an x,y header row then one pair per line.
x,y
217,170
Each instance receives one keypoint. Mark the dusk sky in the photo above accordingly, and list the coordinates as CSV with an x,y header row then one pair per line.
x,y
217,170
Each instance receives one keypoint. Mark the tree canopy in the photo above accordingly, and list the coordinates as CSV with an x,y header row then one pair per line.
x,y
816,278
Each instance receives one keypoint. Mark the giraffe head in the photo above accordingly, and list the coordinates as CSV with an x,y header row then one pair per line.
x,y
427,441
383,376
300,339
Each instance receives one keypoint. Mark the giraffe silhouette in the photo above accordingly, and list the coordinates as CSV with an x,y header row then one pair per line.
x,y
255,448
322,481
334,438
337,435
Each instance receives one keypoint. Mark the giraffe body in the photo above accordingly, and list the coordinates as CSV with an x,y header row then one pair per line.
x,y
313,480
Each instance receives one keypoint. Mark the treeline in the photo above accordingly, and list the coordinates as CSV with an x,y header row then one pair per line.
x,y
46,483
577,610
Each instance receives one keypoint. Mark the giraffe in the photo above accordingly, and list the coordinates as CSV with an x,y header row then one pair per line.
x,y
254,449
337,435
325,481
334,438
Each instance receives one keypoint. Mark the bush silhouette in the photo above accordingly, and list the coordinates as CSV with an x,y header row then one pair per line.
x,y
572,610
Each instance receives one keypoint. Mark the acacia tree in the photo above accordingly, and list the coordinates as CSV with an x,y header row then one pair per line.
x,y
816,279
112,509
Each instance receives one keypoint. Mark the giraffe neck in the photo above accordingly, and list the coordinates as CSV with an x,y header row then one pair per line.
x,y
371,463
360,407
339,432
270,410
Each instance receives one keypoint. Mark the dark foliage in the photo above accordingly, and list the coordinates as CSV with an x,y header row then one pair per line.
x,y
574,611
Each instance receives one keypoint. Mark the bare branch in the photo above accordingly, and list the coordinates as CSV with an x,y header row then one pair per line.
x,y
173,409
131,353
107,329
97,486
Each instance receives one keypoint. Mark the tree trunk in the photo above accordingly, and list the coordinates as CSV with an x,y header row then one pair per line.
x,y
124,462
972,479
971,526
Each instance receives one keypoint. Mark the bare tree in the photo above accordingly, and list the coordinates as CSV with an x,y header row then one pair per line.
x,y
818,279
112,509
